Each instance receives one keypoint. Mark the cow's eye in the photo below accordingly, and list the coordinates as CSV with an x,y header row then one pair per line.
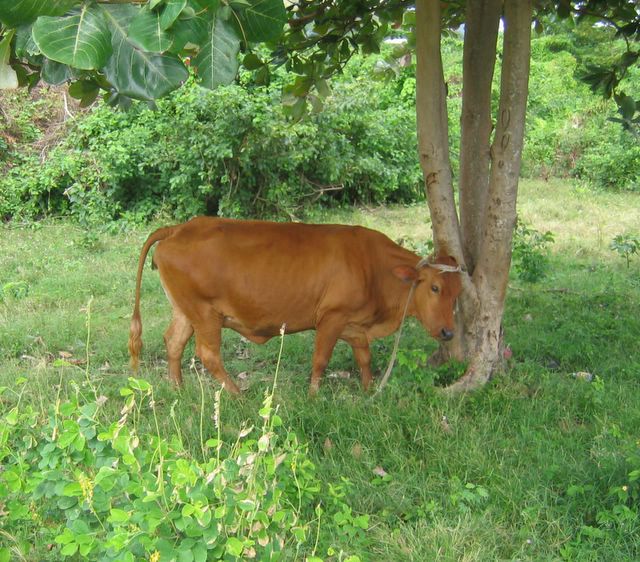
x,y
435,288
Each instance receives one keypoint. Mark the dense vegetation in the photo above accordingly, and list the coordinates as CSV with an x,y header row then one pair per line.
x,y
233,152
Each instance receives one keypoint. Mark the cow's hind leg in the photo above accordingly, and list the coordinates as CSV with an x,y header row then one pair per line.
x,y
208,340
327,333
176,338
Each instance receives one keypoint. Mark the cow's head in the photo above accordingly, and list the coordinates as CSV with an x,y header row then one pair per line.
x,y
437,286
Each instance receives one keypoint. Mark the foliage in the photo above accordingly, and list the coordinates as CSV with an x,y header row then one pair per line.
x,y
530,252
108,491
625,245
234,151
568,131
231,152
608,78
131,50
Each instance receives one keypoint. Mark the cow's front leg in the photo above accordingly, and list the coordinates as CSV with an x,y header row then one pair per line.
x,y
362,353
327,333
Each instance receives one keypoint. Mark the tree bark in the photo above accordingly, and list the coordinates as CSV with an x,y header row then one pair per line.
x,y
480,40
489,176
491,274
433,129
433,147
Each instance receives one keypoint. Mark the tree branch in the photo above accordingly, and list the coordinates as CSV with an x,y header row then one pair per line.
x,y
480,39
433,132
492,272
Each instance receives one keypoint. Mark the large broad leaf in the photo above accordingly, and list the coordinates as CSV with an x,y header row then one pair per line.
x,y
24,45
134,72
217,61
14,13
8,76
80,39
172,10
192,30
55,73
146,32
263,20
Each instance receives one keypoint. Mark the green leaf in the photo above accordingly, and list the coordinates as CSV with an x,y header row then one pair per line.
x,y
247,505
70,549
81,39
626,104
234,546
134,72
146,32
191,30
67,502
252,61
8,76
118,516
72,489
263,20
25,45
217,61
12,417
55,73
200,553
14,13
172,10
139,384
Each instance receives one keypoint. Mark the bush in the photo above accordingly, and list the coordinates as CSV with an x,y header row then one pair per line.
x,y
568,128
230,152
530,252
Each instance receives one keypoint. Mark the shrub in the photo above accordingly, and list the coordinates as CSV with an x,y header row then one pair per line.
x,y
626,245
530,252
230,152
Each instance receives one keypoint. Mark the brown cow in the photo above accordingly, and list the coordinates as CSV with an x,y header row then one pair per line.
x,y
346,282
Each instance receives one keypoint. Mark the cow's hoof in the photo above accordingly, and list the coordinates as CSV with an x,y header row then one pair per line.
x,y
231,388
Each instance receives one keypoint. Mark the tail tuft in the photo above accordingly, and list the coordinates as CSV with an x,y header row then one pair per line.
x,y
135,340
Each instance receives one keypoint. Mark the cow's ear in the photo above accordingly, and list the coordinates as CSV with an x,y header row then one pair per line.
x,y
405,273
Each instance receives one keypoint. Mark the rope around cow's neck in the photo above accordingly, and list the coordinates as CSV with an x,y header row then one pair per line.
x,y
422,263
387,373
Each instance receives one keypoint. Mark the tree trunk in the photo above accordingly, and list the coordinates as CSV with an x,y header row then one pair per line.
x,y
433,129
491,274
480,39
433,147
489,178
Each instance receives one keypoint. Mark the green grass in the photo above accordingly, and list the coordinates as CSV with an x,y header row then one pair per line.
x,y
522,469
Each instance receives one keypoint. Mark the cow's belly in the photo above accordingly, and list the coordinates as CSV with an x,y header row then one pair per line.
x,y
260,332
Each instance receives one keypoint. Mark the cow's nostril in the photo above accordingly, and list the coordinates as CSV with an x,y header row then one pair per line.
x,y
446,334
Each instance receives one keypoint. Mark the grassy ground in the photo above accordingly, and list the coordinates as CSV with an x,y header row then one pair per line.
x,y
530,468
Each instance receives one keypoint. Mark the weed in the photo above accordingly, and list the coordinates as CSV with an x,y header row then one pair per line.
x,y
108,489
626,245
14,289
530,252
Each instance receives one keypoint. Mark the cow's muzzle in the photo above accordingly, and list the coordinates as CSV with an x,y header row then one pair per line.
x,y
446,334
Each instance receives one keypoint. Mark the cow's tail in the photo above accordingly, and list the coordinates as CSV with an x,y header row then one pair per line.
x,y
135,331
